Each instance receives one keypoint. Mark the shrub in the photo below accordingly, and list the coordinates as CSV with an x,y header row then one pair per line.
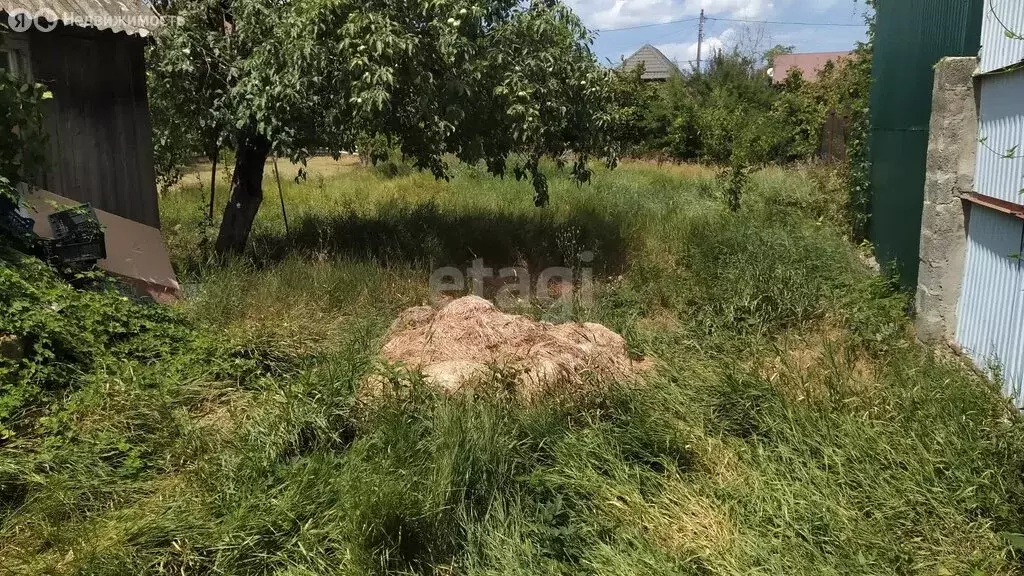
x,y
65,332
22,137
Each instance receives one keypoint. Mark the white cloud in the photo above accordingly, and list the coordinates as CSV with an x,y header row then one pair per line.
x,y
609,14
678,41
736,8
818,6
631,12
685,53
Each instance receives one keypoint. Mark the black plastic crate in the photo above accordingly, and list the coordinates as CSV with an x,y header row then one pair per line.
x,y
78,223
16,224
12,222
77,253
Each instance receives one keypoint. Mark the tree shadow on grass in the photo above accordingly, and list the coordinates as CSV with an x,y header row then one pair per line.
x,y
428,237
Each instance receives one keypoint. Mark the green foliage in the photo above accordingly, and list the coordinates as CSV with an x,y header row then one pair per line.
x,y
669,126
735,179
797,116
790,424
858,166
730,107
23,142
65,333
481,81
177,140
775,51
733,106
633,99
22,137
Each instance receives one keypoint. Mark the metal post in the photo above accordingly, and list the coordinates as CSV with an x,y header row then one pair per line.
x,y
280,194
213,183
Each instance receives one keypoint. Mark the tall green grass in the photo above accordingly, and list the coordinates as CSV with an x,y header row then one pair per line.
x,y
791,425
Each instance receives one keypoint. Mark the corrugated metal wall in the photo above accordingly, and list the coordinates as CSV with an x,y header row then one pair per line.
x,y
1014,367
989,313
911,36
1000,174
998,49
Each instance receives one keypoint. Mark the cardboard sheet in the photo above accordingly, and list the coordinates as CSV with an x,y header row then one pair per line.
x,y
135,252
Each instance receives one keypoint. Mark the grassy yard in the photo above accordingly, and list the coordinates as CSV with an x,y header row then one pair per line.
x,y
791,425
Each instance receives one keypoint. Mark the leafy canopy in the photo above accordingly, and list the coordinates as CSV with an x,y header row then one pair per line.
x,y
482,80
22,136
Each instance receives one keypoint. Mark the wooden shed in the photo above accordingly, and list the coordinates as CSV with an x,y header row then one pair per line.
x,y
90,55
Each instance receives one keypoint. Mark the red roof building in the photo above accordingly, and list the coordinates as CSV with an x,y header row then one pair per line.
x,y
810,64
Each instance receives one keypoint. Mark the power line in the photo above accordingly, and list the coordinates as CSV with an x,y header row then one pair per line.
x,y
789,23
778,22
638,26
656,38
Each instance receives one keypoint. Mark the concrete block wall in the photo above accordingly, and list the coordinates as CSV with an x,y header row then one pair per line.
x,y
952,149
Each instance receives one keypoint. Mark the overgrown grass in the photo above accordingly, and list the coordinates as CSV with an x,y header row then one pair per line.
x,y
791,425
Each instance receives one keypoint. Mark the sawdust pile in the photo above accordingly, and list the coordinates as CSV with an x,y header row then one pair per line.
x,y
468,337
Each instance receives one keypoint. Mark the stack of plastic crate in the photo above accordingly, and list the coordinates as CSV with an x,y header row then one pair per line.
x,y
78,238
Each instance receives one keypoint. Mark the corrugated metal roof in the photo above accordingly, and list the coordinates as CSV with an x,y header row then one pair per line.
x,y
999,173
133,17
989,314
998,49
657,66
809,64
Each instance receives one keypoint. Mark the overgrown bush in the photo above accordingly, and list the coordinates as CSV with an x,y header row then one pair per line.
x,y
63,333
733,106
788,425
857,169
22,136
733,110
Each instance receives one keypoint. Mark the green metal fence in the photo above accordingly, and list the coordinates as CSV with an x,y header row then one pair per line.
x,y
911,37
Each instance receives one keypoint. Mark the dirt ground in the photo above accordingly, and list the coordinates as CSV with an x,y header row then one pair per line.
x,y
317,166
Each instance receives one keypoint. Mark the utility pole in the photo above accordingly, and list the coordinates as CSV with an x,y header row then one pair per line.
x,y
700,39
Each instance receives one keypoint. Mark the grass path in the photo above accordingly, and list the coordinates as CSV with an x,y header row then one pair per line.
x,y
792,425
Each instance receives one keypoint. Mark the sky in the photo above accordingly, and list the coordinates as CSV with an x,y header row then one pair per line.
x,y
623,26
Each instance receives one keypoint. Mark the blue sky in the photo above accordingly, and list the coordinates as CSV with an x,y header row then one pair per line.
x,y
679,40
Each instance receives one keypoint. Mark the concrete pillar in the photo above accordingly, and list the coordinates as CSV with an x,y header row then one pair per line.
x,y
952,146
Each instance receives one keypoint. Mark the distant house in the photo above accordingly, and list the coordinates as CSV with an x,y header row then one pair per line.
x,y
657,66
90,56
809,64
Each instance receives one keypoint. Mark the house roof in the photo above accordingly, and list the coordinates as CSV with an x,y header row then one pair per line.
x,y
810,64
132,17
657,66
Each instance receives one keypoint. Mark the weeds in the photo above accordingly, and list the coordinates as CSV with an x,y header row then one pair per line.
x,y
735,179
791,426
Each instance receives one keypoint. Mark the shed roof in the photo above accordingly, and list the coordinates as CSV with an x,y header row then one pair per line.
x,y
132,17
657,66
810,64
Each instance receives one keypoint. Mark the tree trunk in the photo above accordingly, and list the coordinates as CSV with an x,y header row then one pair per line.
x,y
246,195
